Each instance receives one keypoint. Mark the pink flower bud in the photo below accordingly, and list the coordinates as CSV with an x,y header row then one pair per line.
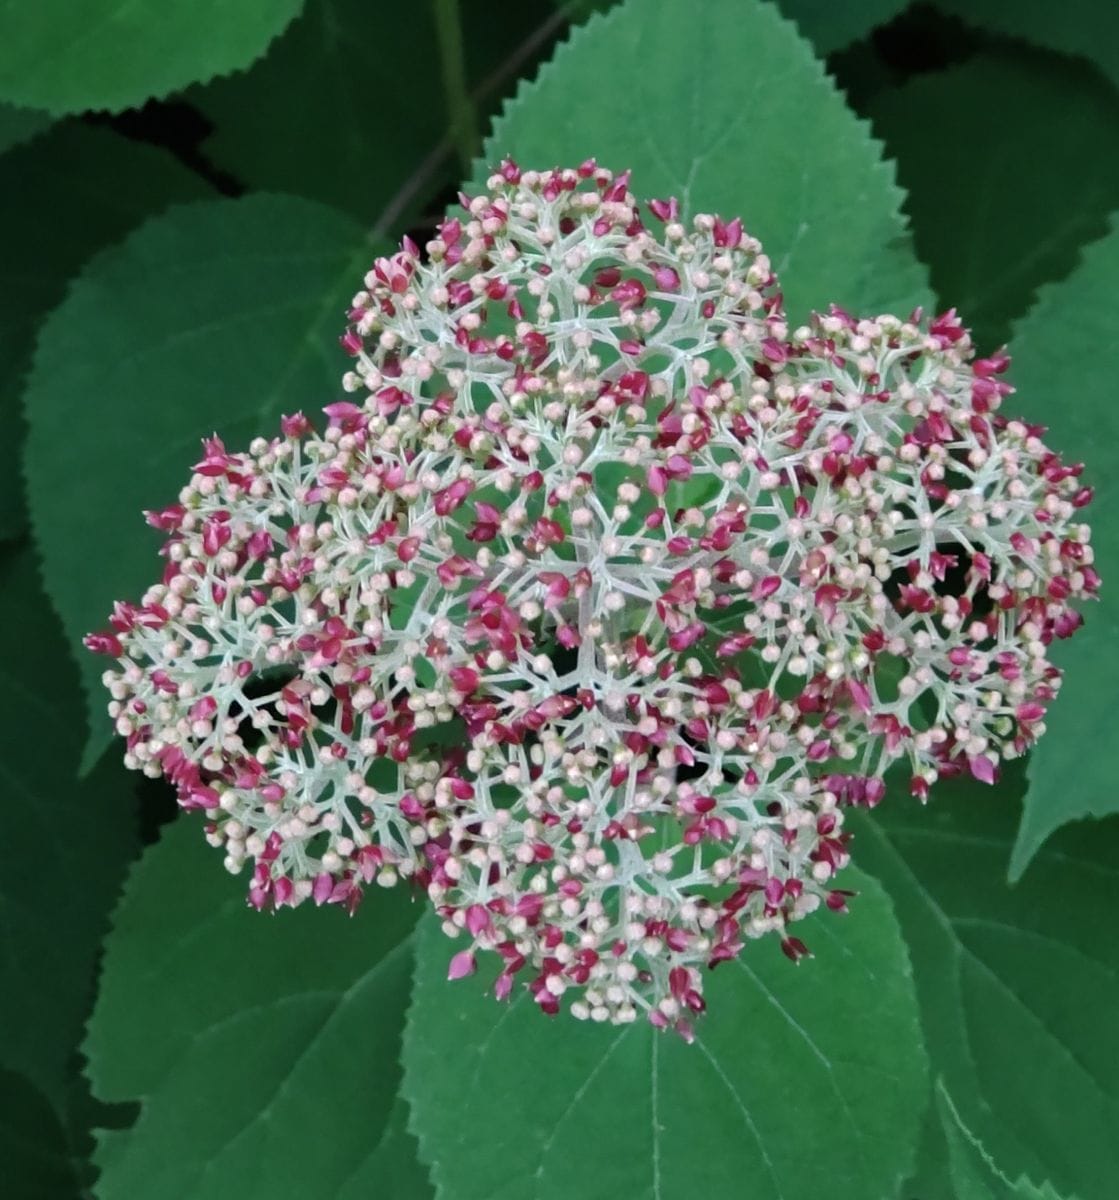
x,y
462,964
471,638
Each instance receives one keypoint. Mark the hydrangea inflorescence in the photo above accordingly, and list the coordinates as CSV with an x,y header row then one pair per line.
x,y
603,604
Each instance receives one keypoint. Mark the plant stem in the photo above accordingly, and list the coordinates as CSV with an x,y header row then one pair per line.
x,y
432,162
460,106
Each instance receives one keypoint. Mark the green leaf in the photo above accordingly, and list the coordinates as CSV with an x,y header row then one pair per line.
x,y
264,1050
830,26
1019,987
730,112
112,55
371,142
802,1082
1083,27
33,1146
67,844
393,1169
218,315
973,1170
62,197
359,132
988,151
1065,362
19,125
931,1178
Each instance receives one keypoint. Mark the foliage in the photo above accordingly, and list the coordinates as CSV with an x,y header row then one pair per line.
x,y
115,56
185,266
823,202
986,149
837,1043
114,183
974,1172
255,284
54,915
832,26
19,124
303,1034
1081,28
1069,777
385,166
1017,995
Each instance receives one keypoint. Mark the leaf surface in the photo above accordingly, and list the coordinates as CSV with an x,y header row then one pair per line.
x,y
67,844
356,91
33,1143
974,1172
264,1050
804,1081
830,26
1082,27
114,54
105,185
1018,986
1066,358
988,151
19,124
732,114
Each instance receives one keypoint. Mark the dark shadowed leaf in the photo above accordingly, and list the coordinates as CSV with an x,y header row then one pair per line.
x,y
264,1050
830,26
67,847
1084,27
730,112
63,197
215,316
1011,162
348,107
1066,358
33,1144
1019,986
107,54
19,124
802,1081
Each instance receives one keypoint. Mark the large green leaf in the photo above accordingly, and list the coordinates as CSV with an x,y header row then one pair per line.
x,y
974,1172
1019,986
801,1082
218,315
64,56
988,151
67,844
369,140
1084,27
830,26
1066,358
63,197
728,110
264,1050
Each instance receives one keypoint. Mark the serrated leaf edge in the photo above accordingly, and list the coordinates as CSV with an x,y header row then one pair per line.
x,y
77,282
600,19
1044,1191
163,92
1046,297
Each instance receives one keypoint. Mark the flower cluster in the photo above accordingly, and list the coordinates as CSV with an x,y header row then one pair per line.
x,y
605,600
